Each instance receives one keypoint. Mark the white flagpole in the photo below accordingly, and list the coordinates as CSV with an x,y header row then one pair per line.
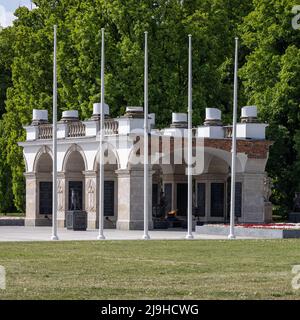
x,y
190,146
146,146
233,150
101,151
54,137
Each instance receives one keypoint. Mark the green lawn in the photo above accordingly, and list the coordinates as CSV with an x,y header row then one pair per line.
x,y
244,269
14,214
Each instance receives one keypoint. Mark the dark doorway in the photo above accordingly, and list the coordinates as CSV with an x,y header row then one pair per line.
x,y
201,198
109,198
155,200
155,195
217,200
182,189
78,189
45,203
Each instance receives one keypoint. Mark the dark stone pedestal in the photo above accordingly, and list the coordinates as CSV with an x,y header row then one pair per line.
x,y
76,220
174,222
294,217
160,224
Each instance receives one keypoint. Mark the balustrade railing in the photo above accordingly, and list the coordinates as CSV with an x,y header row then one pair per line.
x,y
111,127
45,131
77,129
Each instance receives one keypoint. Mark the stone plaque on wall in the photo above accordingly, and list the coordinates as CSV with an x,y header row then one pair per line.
x,y
238,198
109,198
91,200
168,196
182,198
155,201
201,198
217,200
45,195
60,194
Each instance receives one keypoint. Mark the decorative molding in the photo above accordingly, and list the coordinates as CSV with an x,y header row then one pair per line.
x,y
91,201
60,194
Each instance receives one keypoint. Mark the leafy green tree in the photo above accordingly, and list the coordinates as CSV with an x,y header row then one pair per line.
x,y
271,81
6,203
5,65
213,24
6,57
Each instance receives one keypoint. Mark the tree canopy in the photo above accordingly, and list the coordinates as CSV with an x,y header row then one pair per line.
x,y
269,61
271,81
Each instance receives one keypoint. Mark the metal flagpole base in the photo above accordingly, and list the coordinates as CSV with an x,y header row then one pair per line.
x,y
146,237
101,237
54,238
189,236
231,236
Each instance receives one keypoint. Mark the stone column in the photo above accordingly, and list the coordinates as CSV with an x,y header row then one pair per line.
x,y
253,206
33,216
31,199
130,199
268,212
169,179
91,198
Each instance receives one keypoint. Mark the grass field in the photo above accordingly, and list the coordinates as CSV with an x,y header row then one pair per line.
x,y
245,269
14,214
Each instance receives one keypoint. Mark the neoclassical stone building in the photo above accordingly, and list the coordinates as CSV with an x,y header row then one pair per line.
x,y
78,168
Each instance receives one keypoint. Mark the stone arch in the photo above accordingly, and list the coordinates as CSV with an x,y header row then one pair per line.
x,y
74,167
161,160
43,168
168,177
44,153
136,149
111,165
218,165
213,186
225,157
25,163
73,149
111,157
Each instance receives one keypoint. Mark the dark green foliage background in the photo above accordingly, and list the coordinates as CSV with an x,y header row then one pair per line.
x,y
269,62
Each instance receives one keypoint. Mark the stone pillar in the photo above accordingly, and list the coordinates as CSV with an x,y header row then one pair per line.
x,y
268,212
130,199
268,218
61,200
253,205
91,198
33,216
31,199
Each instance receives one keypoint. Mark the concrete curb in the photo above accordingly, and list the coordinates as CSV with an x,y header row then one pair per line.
x,y
249,232
12,221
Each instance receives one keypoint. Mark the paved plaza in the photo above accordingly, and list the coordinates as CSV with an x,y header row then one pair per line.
x,y
17,233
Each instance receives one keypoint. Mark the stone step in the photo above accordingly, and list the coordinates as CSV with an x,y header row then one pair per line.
x,y
12,221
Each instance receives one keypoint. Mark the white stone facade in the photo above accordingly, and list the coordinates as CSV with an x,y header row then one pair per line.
x,y
78,167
